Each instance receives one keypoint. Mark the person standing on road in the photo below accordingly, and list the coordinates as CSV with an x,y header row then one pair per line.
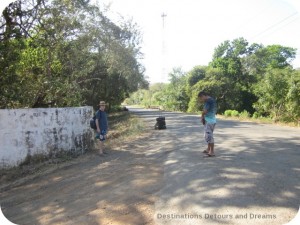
x,y
102,128
209,121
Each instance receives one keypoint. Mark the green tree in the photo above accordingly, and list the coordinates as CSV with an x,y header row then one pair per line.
x,y
174,96
69,54
293,97
234,82
193,77
214,83
278,94
259,59
242,66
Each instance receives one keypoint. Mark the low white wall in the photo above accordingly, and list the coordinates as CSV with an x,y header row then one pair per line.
x,y
46,131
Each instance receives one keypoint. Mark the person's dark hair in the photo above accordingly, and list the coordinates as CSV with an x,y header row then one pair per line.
x,y
202,93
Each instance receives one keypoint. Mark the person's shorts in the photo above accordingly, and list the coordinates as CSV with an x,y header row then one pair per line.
x,y
101,136
209,132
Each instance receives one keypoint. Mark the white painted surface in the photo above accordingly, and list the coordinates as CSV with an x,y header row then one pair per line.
x,y
47,131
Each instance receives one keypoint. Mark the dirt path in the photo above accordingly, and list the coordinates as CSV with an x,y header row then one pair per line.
x,y
118,189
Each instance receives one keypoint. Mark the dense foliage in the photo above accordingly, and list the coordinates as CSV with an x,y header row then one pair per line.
x,y
66,53
252,79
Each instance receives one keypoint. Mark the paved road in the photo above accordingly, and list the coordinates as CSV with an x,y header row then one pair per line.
x,y
255,178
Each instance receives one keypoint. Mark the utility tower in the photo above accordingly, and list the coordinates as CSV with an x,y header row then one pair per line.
x,y
163,75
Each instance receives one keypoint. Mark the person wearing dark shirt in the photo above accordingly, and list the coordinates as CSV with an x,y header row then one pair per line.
x,y
102,128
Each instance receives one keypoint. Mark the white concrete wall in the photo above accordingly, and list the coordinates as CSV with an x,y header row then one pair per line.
x,y
46,131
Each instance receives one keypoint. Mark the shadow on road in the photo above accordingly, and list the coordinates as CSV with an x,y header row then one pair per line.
x,y
256,170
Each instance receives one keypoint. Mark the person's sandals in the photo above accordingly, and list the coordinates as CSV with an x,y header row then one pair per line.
x,y
209,155
205,152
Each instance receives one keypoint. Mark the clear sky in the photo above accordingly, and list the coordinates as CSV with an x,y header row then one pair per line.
x,y
194,28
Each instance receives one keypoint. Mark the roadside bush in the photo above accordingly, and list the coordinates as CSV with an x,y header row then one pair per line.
x,y
244,114
234,113
255,115
229,113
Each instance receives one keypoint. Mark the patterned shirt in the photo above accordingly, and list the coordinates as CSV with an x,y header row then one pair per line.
x,y
211,107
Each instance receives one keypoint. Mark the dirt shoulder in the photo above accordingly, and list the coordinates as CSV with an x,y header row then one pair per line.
x,y
118,189
147,180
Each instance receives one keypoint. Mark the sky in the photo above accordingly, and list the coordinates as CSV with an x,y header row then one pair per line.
x,y
192,29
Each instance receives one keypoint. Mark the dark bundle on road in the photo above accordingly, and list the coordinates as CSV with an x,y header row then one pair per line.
x,y
160,123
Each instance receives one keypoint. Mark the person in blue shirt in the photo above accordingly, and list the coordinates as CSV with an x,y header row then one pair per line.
x,y
209,121
102,127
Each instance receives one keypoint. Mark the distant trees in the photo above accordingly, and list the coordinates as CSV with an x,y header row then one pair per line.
x,y
248,78
66,53
279,94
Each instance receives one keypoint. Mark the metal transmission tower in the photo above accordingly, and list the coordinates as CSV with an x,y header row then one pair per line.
x,y
163,75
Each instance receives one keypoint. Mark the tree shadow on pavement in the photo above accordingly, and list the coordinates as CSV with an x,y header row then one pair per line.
x,y
256,171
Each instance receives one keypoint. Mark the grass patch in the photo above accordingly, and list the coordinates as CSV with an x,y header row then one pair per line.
x,y
245,116
265,120
123,125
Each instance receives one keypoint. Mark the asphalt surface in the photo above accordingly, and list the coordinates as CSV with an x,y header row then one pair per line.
x,y
254,178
